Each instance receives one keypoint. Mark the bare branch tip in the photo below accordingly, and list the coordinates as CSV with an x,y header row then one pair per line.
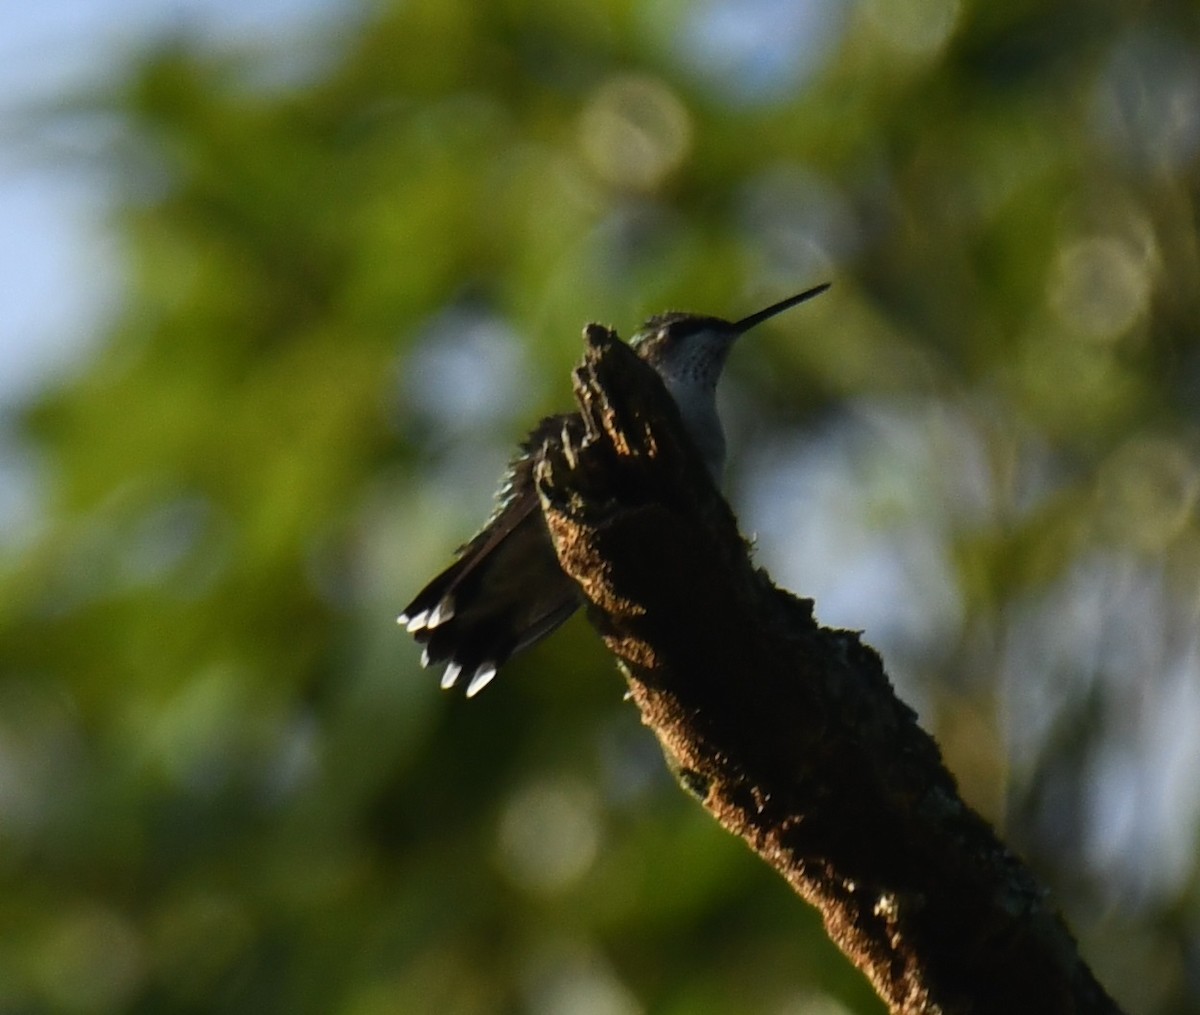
x,y
596,336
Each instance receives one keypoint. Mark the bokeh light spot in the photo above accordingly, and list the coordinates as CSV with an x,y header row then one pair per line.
x,y
1147,492
635,131
1099,287
918,29
575,980
549,834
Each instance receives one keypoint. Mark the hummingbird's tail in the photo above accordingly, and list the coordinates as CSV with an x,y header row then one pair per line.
x,y
504,593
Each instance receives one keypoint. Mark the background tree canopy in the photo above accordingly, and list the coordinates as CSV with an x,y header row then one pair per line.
x,y
356,264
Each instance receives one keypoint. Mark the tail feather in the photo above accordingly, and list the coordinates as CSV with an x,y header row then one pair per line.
x,y
505,592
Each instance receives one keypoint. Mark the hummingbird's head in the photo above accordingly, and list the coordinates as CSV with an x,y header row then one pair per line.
x,y
689,350
686,349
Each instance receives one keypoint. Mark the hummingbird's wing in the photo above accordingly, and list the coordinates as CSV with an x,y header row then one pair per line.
x,y
516,500
505,591
436,604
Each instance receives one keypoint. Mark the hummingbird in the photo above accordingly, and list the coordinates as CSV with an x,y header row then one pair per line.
x,y
505,590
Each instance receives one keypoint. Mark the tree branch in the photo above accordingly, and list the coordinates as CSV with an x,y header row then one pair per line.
x,y
788,732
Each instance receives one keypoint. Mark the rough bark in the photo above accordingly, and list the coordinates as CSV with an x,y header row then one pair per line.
x,y
790,733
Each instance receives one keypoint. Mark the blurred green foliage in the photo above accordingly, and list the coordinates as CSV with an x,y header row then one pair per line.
x,y
357,268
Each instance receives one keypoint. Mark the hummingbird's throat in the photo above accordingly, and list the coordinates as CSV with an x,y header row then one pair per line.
x,y
697,404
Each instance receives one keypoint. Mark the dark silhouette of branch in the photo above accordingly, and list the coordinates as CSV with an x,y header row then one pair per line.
x,y
790,733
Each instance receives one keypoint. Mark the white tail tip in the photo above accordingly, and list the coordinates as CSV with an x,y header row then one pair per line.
x,y
416,622
450,676
443,612
483,677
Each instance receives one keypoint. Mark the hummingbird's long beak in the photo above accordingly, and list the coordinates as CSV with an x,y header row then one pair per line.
x,y
746,323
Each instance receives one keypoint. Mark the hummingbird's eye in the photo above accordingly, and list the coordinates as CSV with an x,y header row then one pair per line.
x,y
679,331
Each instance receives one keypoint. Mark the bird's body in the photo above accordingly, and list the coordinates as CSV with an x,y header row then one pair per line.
x,y
506,591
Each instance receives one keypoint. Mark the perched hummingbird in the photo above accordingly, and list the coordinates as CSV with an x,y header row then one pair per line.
x,y
506,591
